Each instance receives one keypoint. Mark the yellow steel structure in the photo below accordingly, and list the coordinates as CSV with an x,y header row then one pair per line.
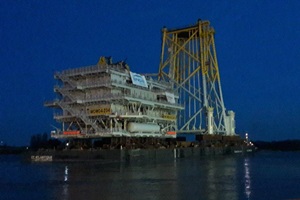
x,y
189,62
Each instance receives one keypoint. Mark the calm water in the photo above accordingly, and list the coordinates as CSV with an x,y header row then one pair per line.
x,y
264,175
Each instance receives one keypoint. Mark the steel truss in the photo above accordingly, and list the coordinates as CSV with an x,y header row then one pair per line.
x,y
189,61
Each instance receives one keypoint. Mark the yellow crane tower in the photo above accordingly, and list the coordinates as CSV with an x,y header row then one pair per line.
x,y
188,60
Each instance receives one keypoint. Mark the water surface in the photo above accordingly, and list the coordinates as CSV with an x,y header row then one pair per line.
x,y
264,175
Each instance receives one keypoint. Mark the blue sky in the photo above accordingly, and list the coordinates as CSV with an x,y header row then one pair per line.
x,y
257,42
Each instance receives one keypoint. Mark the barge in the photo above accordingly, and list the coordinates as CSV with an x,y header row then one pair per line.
x,y
131,114
132,155
209,146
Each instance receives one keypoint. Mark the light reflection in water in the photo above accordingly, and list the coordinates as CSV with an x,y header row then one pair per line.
x,y
247,177
66,185
113,181
211,177
66,173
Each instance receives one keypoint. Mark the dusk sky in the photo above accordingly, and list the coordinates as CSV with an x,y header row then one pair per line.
x,y
257,43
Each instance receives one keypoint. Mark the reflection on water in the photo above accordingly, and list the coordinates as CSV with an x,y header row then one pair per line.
x,y
66,173
195,178
115,181
217,177
221,176
247,178
65,186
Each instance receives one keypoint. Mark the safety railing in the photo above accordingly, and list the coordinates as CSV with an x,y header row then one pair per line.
x,y
79,114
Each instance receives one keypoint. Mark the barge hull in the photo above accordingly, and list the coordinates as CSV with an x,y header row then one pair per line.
x,y
125,155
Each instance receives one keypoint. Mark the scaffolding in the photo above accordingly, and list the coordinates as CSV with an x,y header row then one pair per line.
x,y
189,63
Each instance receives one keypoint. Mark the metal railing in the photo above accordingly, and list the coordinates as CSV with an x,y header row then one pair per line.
x,y
79,114
94,83
66,92
91,69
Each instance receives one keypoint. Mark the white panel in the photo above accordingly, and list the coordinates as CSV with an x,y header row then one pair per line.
x,y
138,79
170,97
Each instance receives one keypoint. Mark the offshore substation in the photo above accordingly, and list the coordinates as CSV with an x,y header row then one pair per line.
x,y
121,109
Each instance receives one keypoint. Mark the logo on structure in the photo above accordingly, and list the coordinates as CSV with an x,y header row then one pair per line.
x,y
138,79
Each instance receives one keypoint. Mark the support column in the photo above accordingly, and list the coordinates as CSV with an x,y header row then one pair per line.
x,y
231,122
210,120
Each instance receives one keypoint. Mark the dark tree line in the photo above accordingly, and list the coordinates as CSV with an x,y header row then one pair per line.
x,y
42,141
286,145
